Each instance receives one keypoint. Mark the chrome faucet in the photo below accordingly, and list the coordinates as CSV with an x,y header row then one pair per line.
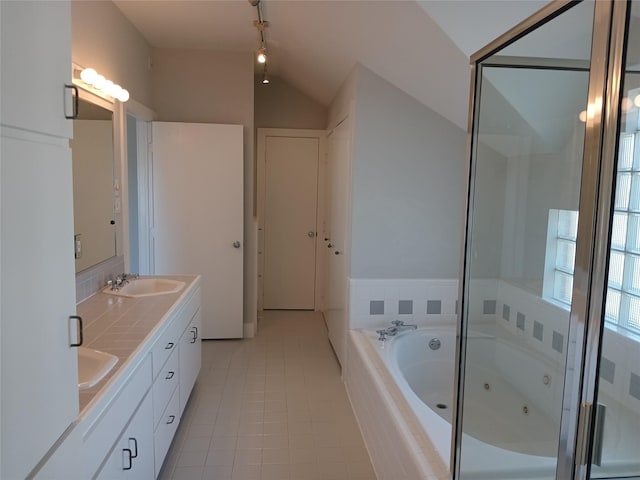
x,y
401,327
121,280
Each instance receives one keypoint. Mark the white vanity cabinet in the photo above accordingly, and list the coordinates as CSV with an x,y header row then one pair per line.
x,y
132,456
39,367
190,358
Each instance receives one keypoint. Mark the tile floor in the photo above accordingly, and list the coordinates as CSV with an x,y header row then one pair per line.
x,y
270,408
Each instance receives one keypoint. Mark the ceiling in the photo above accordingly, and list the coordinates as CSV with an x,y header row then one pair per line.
x,y
421,47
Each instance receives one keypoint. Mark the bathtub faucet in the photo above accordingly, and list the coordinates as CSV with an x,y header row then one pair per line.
x,y
401,327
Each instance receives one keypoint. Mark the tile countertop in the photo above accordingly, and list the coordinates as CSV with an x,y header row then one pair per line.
x,y
120,325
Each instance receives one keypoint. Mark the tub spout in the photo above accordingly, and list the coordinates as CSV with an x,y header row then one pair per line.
x,y
400,326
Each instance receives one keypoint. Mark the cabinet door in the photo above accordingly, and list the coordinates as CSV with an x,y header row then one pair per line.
x,y
39,374
190,358
35,45
132,456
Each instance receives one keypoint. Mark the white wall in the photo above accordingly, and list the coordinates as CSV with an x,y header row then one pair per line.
x,y
103,38
408,186
279,105
199,86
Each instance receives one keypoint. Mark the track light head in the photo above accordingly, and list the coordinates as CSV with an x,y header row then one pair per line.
x,y
262,55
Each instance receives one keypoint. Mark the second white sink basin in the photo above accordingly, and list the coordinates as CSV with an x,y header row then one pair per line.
x,y
146,287
93,365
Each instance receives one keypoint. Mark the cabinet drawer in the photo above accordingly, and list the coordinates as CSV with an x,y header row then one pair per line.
x,y
164,385
165,430
164,347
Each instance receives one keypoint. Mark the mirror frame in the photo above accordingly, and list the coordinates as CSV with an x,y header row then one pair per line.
x,y
119,156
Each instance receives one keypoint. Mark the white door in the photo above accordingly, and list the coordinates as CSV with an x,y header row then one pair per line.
x,y
198,215
339,204
290,212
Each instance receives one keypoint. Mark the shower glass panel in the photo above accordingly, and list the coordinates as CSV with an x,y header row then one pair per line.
x,y
527,154
616,446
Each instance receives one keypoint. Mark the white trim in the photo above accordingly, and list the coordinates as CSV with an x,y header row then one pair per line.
x,y
248,330
321,135
144,116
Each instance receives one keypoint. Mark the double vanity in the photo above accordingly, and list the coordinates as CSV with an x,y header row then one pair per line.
x,y
137,367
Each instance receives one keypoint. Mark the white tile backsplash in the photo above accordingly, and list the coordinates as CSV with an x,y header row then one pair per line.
x,y
93,279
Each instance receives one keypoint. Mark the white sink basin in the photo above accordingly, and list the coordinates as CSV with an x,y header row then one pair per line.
x,y
93,365
146,287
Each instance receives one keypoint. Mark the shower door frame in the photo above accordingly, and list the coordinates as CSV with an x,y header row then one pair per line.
x,y
593,240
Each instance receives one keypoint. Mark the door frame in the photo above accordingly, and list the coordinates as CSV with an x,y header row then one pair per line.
x,y
321,135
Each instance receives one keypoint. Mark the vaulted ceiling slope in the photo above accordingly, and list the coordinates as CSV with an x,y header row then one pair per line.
x,y
314,44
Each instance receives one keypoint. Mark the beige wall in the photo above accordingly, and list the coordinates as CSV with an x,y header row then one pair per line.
x,y
200,86
279,105
102,38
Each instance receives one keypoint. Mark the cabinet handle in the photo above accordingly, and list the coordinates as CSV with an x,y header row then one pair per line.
x,y
135,446
129,459
169,346
74,112
171,419
194,331
169,375
80,338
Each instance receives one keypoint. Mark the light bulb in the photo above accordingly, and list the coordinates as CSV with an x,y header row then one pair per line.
x,y
99,82
583,116
265,80
262,55
636,101
115,91
88,75
108,87
123,96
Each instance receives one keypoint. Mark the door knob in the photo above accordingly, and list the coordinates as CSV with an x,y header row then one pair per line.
x,y
236,244
311,234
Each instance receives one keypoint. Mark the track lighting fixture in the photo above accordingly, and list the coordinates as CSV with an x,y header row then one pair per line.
x,y
261,25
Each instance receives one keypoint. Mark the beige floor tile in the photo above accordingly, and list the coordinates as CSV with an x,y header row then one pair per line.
x,y
270,408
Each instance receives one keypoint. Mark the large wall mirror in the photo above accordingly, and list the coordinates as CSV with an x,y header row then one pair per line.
x,y
93,182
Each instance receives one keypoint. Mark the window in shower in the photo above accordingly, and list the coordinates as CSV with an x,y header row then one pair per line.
x,y
622,307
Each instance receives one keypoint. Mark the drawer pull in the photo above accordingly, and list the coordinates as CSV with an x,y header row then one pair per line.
x,y
134,450
128,457
169,346
169,375
171,419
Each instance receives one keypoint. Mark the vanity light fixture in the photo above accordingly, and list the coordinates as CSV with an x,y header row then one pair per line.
x,y
99,82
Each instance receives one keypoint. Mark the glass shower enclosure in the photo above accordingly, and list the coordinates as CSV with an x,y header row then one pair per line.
x,y
548,384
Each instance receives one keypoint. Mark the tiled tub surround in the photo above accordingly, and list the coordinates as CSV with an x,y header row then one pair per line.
x,y
376,302
514,316
396,389
398,445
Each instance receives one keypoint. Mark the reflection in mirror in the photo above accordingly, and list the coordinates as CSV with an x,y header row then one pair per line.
x,y
93,181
